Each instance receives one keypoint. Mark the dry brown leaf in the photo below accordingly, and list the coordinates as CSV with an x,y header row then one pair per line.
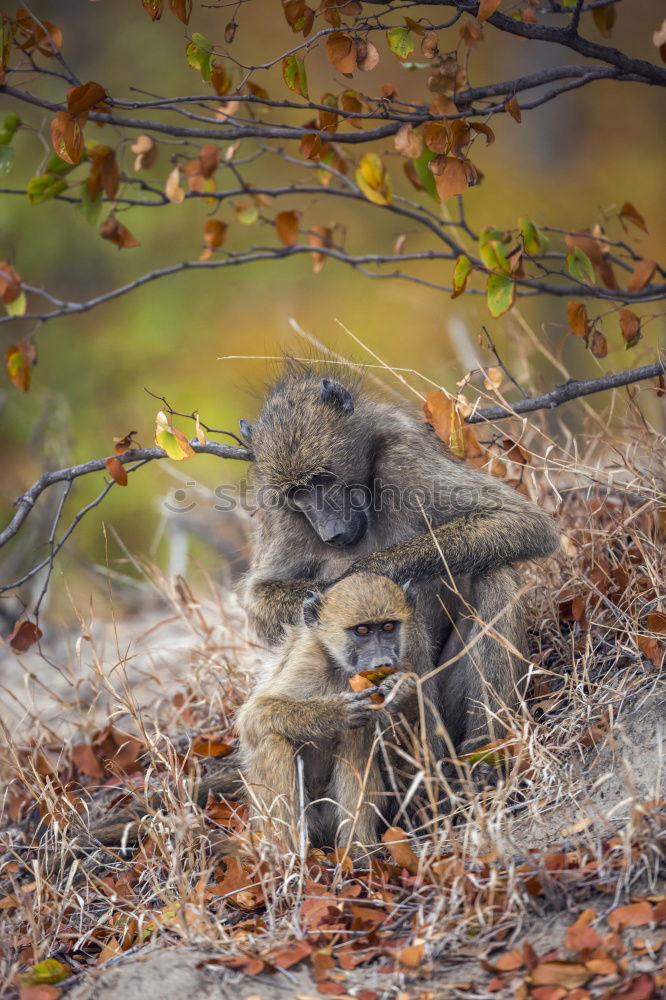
x,y
398,844
641,275
633,915
116,470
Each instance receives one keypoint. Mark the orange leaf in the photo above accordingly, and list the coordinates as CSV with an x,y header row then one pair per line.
x,y
512,107
456,177
510,961
319,236
19,361
446,420
214,233
310,146
632,915
577,317
211,748
123,444
641,987
80,100
486,9
580,936
286,226
116,470
45,991
412,956
598,344
114,231
341,52
209,158
67,137
566,974
641,275
629,212
656,622
182,9
398,844
85,761
630,324
10,283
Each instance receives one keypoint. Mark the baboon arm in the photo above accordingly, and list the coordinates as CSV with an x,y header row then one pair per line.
x,y
297,721
472,544
272,604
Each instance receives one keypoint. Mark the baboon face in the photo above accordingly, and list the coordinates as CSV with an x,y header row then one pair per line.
x,y
371,645
309,447
362,620
337,512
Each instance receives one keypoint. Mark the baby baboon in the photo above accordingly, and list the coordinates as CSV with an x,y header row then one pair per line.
x,y
354,484
304,707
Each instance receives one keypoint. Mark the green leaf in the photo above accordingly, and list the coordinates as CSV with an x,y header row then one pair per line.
x,y
579,266
200,55
293,73
247,212
89,209
54,165
493,256
461,275
6,159
43,188
500,294
48,971
534,240
489,233
400,42
425,175
9,127
18,306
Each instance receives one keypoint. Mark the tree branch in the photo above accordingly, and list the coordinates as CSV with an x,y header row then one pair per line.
x,y
573,389
26,501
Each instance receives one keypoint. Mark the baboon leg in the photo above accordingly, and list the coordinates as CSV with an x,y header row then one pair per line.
x,y
273,791
488,678
357,789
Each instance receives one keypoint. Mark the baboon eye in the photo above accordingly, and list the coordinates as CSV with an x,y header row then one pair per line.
x,y
362,630
388,626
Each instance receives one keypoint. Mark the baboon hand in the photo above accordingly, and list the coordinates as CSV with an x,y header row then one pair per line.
x,y
398,690
357,709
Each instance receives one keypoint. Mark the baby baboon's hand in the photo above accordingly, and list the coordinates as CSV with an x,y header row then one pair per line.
x,y
397,690
357,709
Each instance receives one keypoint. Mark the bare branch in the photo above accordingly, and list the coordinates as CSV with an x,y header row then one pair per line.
x,y
573,389
26,501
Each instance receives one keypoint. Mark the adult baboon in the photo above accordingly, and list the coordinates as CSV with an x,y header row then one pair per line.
x,y
304,708
350,483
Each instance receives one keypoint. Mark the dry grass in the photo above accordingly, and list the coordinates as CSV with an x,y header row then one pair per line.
x,y
539,840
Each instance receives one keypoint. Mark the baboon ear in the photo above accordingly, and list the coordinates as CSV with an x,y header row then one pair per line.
x,y
246,430
409,590
336,394
311,608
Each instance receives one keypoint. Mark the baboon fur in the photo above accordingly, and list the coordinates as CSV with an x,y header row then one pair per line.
x,y
303,707
460,541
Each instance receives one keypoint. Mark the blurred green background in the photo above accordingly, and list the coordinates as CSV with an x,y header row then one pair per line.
x,y
569,162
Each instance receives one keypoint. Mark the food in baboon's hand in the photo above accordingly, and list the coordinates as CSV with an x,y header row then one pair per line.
x,y
366,679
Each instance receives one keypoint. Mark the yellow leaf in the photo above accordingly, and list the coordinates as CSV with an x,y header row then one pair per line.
x,y
373,180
